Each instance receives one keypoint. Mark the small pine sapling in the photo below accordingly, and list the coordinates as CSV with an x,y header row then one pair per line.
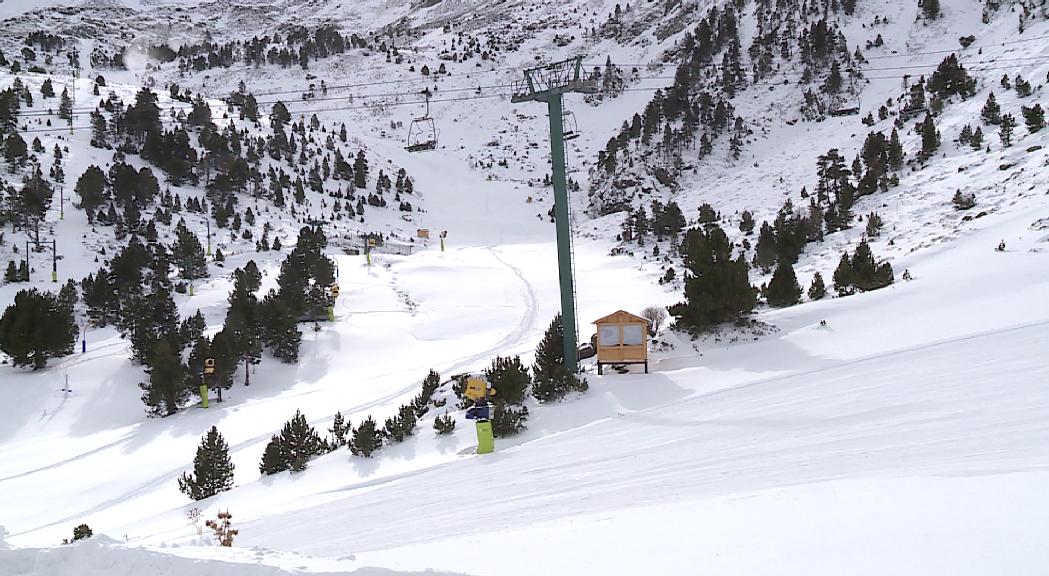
x,y
444,424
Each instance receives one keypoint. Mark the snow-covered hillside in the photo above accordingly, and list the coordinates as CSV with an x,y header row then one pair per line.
x,y
901,430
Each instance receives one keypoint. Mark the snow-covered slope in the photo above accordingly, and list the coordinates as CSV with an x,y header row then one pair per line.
x,y
897,431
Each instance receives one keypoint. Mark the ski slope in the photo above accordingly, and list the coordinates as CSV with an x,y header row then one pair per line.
x,y
904,431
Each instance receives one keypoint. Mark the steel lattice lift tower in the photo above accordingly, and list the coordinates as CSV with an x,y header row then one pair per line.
x,y
548,83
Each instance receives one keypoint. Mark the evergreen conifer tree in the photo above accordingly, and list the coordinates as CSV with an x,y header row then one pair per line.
x,y
212,468
765,251
166,391
340,427
1034,117
1006,131
35,328
510,378
552,381
366,438
817,290
843,276
65,106
992,112
783,289
717,288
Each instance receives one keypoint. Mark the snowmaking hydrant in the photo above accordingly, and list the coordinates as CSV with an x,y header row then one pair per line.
x,y
479,392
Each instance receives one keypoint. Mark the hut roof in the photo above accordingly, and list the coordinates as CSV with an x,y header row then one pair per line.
x,y
620,317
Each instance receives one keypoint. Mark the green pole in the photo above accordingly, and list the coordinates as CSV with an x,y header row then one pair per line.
x,y
204,395
442,243
564,240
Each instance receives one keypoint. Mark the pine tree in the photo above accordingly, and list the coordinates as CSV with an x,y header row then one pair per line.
x,y
366,439
65,106
930,137
47,90
510,378
11,274
339,429
444,424
992,112
36,328
765,252
300,442
931,9
866,273
783,289
746,223
508,420
977,139
166,391
212,468
552,381
272,459
279,115
16,152
401,426
717,288
843,276
1006,131
1034,117
817,290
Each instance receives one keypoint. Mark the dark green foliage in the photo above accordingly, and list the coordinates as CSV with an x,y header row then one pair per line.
x,y
707,215
340,427
33,200
552,381
992,112
1006,131
36,328
65,106
16,152
817,290
507,419
746,223
784,290
765,251
951,78
930,137
874,224
931,9
976,141
212,468
81,532
717,288
444,424
402,425
279,115
861,272
293,448
166,391
429,386
510,378
366,438
963,201
188,254
91,187
1034,117
279,329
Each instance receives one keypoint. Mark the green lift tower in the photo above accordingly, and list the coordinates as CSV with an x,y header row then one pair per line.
x,y
548,83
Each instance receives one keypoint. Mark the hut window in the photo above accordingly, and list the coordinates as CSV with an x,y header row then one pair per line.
x,y
633,335
608,336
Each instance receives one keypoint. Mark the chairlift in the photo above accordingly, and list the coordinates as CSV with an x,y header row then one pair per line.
x,y
569,125
422,133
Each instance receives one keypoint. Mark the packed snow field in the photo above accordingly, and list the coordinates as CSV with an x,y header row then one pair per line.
x,y
899,431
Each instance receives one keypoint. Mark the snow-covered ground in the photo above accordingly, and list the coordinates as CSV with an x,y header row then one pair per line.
x,y
904,431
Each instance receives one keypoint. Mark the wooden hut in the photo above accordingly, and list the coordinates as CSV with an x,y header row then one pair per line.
x,y
622,338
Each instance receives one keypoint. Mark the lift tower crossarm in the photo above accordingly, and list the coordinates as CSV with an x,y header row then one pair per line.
x,y
548,83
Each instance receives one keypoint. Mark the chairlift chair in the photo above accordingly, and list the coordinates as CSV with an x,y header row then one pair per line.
x,y
569,125
422,133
